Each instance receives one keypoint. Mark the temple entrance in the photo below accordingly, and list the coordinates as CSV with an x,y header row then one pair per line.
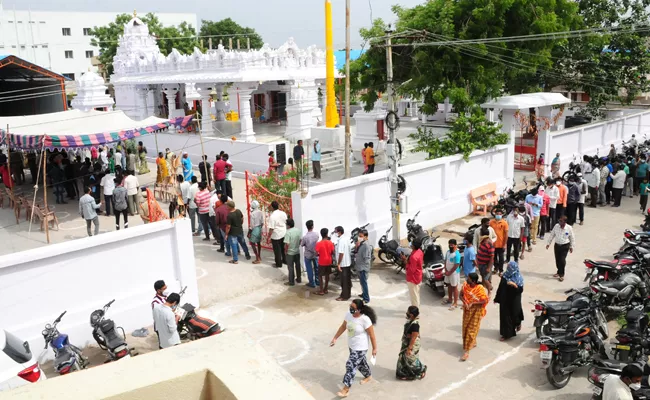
x,y
278,106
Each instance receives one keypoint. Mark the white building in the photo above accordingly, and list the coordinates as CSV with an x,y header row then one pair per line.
x,y
60,41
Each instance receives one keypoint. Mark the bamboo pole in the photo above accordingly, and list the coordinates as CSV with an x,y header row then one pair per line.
x,y
46,210
9,172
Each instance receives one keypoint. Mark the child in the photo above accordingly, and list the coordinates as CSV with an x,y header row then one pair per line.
x,y
643,199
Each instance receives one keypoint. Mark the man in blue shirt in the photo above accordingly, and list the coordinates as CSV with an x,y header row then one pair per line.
x,y
469,256
315,159
608,186
535,201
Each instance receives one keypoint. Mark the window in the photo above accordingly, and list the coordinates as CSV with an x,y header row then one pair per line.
x,y
66,31
89,54
69,76
22,47
68,54
44,46
86,31
20,22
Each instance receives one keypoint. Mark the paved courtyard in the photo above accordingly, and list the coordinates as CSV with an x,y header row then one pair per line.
x,y
296,326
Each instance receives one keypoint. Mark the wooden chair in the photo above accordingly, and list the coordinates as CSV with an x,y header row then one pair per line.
x,y
483,198
2,200
46,217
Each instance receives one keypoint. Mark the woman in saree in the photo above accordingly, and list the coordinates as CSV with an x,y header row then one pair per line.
x,y
143,168
409,366
509,299
539,167
187,167
162,171
475,299
150,210
176,165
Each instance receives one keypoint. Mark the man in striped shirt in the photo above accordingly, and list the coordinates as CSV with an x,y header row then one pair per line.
x,y
564,243
202,200
485,258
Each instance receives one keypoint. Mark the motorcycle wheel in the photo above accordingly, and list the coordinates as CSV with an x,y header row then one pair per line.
x,y
384,257
544,330
554,375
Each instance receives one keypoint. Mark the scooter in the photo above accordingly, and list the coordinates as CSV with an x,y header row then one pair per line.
x,y
106,336
191,326
67,357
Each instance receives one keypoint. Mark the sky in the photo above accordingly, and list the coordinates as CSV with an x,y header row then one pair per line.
x,y
275,20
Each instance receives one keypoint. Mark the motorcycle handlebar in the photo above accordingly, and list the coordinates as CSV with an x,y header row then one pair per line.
x,y
56,321
418,213
109,303
182,291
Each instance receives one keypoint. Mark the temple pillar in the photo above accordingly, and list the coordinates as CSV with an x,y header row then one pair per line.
x,y
301,104
221,108
509,123
245,93
142,97
204,90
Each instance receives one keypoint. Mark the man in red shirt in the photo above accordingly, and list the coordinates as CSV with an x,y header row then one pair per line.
x,y
220,175
325,251
414,272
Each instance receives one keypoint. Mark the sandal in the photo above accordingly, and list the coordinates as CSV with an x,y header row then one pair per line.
x,y
556,275
424,373
319,293
233,262
464,357
452,308
561,279
256,262
445,302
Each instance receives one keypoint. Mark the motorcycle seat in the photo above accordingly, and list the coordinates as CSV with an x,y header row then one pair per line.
x,y
618,285
392,245
64,356
613,364
603,264
558,306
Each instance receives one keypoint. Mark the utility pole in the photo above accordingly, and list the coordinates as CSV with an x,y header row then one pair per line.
x,y
391,150
347,89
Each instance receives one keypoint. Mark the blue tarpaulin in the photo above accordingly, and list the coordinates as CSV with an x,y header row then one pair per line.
x,y
340,57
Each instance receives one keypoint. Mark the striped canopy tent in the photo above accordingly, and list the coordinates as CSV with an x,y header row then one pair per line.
x,y
74,128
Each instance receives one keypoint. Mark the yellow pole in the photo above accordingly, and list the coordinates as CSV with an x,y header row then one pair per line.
x,y
331,116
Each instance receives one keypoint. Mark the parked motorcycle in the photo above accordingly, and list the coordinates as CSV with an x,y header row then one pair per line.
x,y
434,265
563,355
106,336
632,342
388,251
553,317
415,231
616,296
191,326
67,357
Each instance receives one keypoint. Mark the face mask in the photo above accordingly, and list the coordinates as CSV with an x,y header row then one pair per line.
x,y
174,307
498,217
635,386
166,293
515,214
558,183
353,310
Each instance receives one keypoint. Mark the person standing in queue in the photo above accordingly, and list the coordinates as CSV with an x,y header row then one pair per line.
x,y
475,299
370,157
500,227
564,244
516,226
315,159
359,323
159,299
325,251
620,388
344,263
414,266
409,366
362,262
508,297
277,230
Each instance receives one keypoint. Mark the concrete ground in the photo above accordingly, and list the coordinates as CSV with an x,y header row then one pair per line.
x,y
296,326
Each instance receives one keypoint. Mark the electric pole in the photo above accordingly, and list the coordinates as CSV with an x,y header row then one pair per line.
x,y
391,148
347,89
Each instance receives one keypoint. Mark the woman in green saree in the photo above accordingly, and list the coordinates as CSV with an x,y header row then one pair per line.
x,y
409,366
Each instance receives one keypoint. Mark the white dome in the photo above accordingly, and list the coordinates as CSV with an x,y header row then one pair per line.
x,y
136,27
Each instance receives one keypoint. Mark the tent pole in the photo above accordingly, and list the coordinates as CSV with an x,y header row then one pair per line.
x,y
155,136
9,172
46,210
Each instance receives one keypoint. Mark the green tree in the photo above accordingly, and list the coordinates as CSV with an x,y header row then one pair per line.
x,y
466,73
226,27
183,37
471,131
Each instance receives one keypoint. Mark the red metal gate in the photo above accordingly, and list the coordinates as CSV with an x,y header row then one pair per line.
x,y
525,153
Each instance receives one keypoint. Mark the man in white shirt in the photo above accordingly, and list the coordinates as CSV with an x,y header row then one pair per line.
x,y
166,321
553,193
214,198
564,243
108,185
583,186
277,230
159,299
193,190
103,157
620,388
344,261
118,158
516,225
131,183
593,181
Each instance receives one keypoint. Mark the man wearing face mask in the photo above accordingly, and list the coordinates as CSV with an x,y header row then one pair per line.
x,y
159,299
564,243
500,227
616,388
165,320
